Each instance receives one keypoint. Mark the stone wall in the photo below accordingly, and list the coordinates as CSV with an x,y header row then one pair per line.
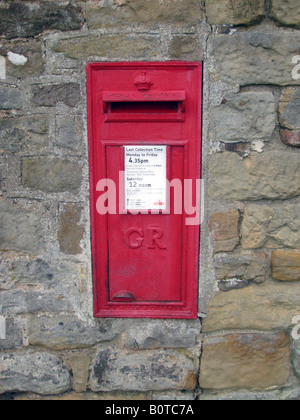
x,y
242,346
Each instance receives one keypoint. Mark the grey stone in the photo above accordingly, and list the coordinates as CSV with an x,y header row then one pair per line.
x,y
271,175
283,394
67,332
289,109
244,117
10,98
32,51
236,58
39,372
286,12
238,12
271,227
185,47
13,337
15,133
123,46
27,20
69,132
70,232
296,356
51,95
20,229
51,174
163,334
142,371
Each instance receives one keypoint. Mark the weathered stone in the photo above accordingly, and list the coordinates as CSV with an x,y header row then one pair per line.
x,y
80,363
290,138
20,229
241,268
69,132
67,332
237,60
51,95
122,46
296,357
254,308
32,51
24,302
142,371
70,232
286,12
286,265
173,396
224,230
271,227
185,47
245,361
139,13
271,175
39,372
86,396
244,117
10,98
289,109
162,334
13,335
238,12
27,20
15,133
51,174
281,394
231,284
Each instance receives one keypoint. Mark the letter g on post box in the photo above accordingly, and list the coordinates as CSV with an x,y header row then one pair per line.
x,y
144,123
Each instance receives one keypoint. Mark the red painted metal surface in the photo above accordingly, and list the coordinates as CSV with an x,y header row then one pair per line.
x,y
144,265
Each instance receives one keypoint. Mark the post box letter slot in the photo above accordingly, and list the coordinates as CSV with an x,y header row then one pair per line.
x,y
140,106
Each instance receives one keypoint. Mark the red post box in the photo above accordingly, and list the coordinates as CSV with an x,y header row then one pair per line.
x,y
144,123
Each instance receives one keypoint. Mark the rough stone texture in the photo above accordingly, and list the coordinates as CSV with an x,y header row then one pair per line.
x,y
271,227
244,117
290,138
69,133
224,230
142,371
245,267
246,361
296,357
17,133
163,334
80,363
254,308
142,13
89,396
13,338
51,174
286,12
51,95
286,265
27,20
10,98
272,175
236,60
40,372
289,109
122,46
291,393
237,12
68,332
20,229
185,47
70,232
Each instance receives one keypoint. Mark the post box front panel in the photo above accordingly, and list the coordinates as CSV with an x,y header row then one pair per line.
x,y
145,264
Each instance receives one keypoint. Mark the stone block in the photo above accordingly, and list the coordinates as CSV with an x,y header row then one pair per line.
x,y
20,230
265,307
224,230
185,47
286,12
39,372
80,363
271,175
290,138
236,58
122,46
271,226
289,109
70,232
68,93
142,371
69,132
51,174
246,361
67,332
26,20
238,12
244,117
13,335
296,357
10,98
286,265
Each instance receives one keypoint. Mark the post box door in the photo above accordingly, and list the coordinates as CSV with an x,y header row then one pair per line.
x,y
145,259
